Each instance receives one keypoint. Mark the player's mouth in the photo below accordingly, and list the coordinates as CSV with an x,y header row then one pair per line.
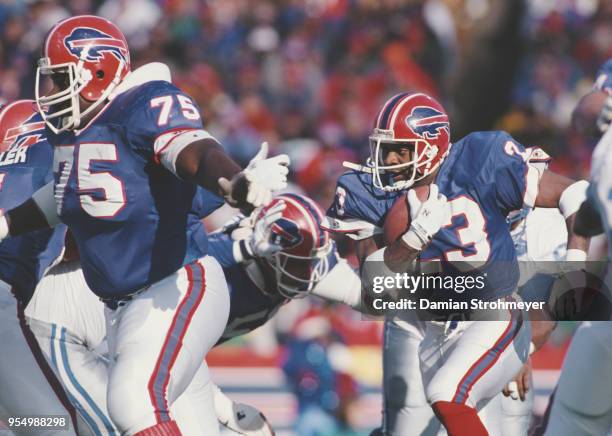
x,y
398,175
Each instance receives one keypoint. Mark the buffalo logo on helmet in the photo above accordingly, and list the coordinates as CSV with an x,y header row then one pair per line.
x,y
426,122
286,233
26,134
96,42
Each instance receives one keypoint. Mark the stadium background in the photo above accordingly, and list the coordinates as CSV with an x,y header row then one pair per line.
x,y
308,76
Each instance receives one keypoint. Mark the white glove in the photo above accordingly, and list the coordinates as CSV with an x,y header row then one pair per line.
x,y
426,218
241,418
259,243
605,116
260,240
261,176
271,173
243,231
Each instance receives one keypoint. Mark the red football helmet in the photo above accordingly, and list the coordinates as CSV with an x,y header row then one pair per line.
x,y
303,260
20,124
409,119
86,56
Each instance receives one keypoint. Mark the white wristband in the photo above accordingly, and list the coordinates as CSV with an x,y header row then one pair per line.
x,y
573,196
4,230
412,240
241,250
575,255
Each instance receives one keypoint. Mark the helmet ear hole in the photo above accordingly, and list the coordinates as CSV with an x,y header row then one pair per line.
x,y
100,74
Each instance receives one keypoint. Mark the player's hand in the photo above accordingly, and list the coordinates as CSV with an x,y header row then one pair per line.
x,y
426,218
270,173
260,243
247,420
239,227
605,116
254,184
519,386
241,418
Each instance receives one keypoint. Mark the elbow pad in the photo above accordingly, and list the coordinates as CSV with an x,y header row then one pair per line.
x,y
573,196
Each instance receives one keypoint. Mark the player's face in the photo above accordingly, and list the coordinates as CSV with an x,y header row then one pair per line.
x,y
57,82
299,272
297,275
52,84
397,154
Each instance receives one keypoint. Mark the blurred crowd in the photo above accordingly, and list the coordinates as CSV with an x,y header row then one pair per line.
x,y
309,75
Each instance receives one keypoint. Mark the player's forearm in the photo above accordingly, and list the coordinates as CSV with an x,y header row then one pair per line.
x,y
575,242
551,189
204,162
25,218
587,221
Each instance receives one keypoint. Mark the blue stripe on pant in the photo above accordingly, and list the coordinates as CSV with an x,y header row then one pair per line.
x,y
73,385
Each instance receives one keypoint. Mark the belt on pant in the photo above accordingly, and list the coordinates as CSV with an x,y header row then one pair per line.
x,y
114,303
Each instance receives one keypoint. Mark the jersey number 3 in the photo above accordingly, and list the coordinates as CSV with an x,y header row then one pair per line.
x,y
108,190
472,234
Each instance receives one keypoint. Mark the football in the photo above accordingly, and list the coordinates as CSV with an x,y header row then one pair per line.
x,y
397,221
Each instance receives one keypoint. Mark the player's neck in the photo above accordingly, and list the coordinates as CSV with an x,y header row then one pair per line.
x,y
427,180
90,116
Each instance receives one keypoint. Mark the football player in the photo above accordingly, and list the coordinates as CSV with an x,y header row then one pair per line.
x,y
276,254
581,403
286,255
486,176
25,160
539,236
129,151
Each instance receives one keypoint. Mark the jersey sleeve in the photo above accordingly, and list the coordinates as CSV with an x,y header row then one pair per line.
x,y
205,202
603,80
352,211
516,181
163,122
220,246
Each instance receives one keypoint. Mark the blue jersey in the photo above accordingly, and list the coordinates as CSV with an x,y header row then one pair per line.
x,y
25,168
204,203
484,176
359,200
603,80
127,211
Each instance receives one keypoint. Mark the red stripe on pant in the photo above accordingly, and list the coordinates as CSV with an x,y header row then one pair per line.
x,y
168,428
459,419
159,407
484,355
